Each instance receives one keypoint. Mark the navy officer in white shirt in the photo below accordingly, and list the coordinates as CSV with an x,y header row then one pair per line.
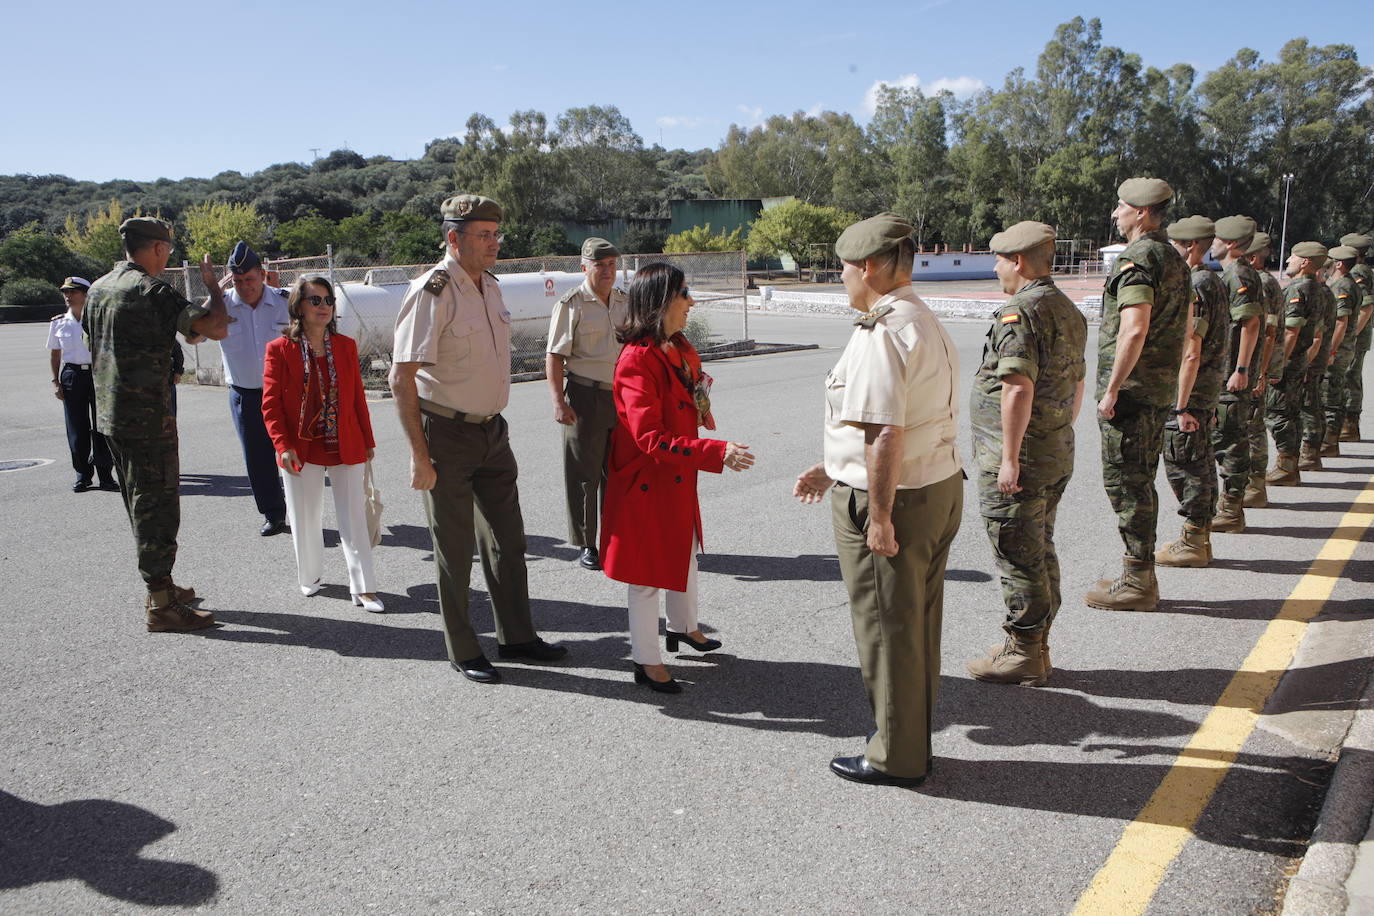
x,y
257,314
72,384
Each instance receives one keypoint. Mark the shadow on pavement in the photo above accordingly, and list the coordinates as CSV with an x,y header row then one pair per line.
x,y
1317,507
98,842
1263,608
1320,534
215,485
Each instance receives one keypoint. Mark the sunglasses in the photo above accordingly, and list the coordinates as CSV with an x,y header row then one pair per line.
x,y
319,300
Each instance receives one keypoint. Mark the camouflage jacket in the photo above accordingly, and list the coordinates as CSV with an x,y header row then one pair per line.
x,y
1327,329
1245,297
1302,309
1363,275
1348,298
1148,271
1041,334
1212,323
1273,318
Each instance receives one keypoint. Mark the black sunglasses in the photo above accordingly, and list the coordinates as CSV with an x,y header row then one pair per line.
x,y
316,300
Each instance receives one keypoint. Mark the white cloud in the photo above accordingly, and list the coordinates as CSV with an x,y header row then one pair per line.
x,y
815,110
754,112
962,86
679,121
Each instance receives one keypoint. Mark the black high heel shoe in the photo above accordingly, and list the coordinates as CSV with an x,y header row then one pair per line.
x,y
706,645
668,686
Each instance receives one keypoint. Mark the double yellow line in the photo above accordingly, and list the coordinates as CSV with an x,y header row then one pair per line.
x,y
1128,880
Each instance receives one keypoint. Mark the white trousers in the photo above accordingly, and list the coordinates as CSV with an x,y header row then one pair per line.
x,y
682,614
304,509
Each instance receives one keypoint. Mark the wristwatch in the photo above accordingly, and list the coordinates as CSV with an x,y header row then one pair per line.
x,y
1242,369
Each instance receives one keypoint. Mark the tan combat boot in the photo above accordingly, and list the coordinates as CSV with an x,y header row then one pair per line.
x,y
1331,445
1285,472
996,649
165,614
1256,493
1309,458
1193,548
1019,661
1136,590
1230,517
1350,429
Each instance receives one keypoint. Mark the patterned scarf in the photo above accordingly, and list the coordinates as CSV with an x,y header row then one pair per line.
x,y
330,396
682,356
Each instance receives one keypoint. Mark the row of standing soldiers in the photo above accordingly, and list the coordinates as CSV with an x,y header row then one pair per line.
x,y
1194,365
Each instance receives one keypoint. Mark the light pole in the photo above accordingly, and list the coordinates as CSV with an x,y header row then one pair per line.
x,y
1283,234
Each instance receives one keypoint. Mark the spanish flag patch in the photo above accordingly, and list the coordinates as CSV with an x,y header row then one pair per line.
x,y
1296,299
1127,265
1243,288
1013,318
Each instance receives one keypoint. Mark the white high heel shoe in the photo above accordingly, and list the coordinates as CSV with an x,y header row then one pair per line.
x,y
312,588
369,603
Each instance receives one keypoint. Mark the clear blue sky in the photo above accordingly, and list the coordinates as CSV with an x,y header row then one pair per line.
x,y
100,90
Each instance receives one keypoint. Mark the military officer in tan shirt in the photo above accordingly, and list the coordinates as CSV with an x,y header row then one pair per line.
x,y
890,425
579,365
451,380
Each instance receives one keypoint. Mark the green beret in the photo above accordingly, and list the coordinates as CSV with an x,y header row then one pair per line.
x,y
146,227
1191,228
1260,242
594,249
465,207
1022,237
1144,192
870,237
1235,228
1310,250
1356,240
1343,253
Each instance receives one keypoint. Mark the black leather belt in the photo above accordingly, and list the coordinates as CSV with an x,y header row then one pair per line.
x,y
83,366
448,413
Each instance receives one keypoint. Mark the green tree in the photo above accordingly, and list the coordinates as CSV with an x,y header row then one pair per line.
x,y
784,157
603,166
908,132
701,238
792,227
641,240
215,228
306,237
31,252
97,235
29,291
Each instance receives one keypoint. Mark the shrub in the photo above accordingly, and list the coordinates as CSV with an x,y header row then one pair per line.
x,y
28,291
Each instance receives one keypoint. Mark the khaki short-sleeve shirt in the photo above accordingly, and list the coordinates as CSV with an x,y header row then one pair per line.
x,y
582,329
460,335
903,372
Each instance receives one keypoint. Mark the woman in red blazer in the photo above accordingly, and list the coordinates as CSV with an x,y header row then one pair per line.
x,y
315,410
650,521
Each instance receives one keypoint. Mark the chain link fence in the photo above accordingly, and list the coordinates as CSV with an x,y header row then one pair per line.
x,y
370,296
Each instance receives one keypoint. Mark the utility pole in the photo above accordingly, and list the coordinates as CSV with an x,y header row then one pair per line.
x,y
1283,234
314,153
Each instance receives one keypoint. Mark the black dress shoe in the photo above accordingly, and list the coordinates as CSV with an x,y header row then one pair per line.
x,y
478,669
535,650
82,485
668,686
857,769
272,526
670,640
109,486
590,559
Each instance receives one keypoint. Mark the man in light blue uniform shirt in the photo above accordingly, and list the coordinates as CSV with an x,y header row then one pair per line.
x,y
257,315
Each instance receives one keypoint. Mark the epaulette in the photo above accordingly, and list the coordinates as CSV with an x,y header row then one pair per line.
x,y
437,281
870,318
55,317
492,275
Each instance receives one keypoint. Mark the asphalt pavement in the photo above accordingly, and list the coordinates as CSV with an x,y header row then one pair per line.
x,y
309,757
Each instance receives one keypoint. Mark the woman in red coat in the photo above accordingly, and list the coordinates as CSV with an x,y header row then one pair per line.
x,y
315,410
650,521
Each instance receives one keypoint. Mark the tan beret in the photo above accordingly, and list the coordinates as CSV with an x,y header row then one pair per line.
x,y
1144,192
1191,228
870,237
594,249
466,207
1356,240
1235,228
1310,250
147,227
1260,242
1343,253
1024,236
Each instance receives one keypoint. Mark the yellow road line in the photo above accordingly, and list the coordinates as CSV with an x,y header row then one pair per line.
x,y
1128,880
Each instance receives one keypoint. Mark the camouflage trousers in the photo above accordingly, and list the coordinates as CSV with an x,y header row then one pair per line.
x,y
1190,468
1231,445
1020,528
1354,379
1334,385
1257,433
1282,409
149,472
1310,407
1131,445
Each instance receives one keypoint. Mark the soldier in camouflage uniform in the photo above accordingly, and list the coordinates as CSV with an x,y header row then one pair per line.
x,y
1302,309
1256,494
1144,307
1229,442
1188,460
132,319
1023,404
1312,411
1341,348
1363,275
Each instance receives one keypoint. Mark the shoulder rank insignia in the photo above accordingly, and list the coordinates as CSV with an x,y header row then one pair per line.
x,y
492,275
1127,265
1243,289
1013,318
437,281
1296,299
870,318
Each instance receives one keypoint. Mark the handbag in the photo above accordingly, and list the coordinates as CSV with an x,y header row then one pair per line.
x,y
373,505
